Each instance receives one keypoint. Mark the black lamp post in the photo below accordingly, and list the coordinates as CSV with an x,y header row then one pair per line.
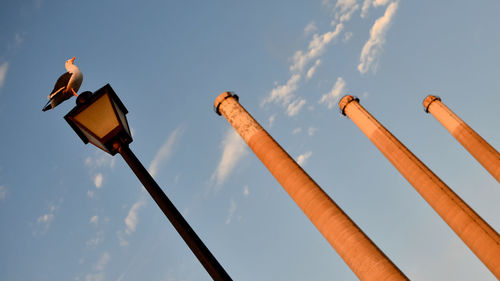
x,y
99,118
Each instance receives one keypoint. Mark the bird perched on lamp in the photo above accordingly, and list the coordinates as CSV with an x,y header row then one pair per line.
x,y
66,86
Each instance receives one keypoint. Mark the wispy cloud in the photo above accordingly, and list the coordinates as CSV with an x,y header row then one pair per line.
x,y
234,149
103,261
45,220
347,37
294,107
3,73
162,155
316,48
98,273
331,98
96,165
165,150
131,221
296,130
373,47
310,28
3,192
231,211
311,131
377,3
365,8
301,159
312,69
122,239
96,240
345,9
101,161
132,218
94,220
98,180
283,93
272,118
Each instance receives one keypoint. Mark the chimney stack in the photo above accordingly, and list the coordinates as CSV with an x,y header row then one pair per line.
x,y
483,240
484,153
364,258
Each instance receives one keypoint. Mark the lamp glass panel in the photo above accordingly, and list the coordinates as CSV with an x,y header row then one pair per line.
x,y
99,117
92,139
123,119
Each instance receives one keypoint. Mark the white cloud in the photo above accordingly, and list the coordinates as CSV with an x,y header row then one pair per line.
x,y
246,191
272,118
377,3
95,241
294,107
333,96
98,180
365,8
301,160
94,220
373,47
231,211
234,150
311,70
121,238
345,9
165,151
101,161
3,192
3,73
347,37
297,130
132,219
311,131
284,93
99,268
103,261
316,48
46,219
310,28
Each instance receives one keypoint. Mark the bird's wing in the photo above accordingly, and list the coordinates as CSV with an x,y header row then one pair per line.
x,y
62,82
55,92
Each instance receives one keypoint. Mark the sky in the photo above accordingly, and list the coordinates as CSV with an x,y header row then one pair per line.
x,y
69,211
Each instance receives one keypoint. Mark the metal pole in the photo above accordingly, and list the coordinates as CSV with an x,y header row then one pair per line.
x,y
476,233
364,258
199,249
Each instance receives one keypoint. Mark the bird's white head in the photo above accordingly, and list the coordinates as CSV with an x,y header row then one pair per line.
x,y
70,61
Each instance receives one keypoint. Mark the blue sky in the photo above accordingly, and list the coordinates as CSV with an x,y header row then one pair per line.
x,y
71,212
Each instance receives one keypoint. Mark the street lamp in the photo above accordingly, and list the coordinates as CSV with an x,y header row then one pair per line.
x,y
99,118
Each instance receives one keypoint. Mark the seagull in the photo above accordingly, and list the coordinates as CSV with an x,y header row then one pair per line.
x,y
66,86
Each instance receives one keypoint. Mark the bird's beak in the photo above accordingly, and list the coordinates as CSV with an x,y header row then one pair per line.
x,y
72,60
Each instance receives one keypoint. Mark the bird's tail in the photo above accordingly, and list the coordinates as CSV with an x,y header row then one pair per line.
x,y
48,106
